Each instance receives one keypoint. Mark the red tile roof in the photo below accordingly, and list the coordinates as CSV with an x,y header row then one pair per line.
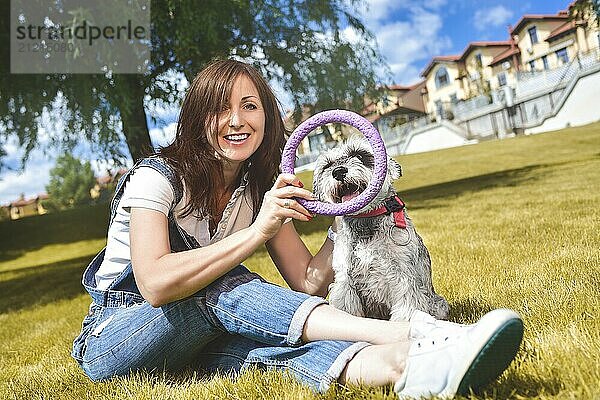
x,y
474,45
562,29
24,202
504,55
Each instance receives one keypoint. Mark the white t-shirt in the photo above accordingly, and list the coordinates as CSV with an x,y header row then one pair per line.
x,y
147,188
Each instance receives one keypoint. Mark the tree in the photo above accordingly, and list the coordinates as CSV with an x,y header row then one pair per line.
x,y
586,10
297,42
70,182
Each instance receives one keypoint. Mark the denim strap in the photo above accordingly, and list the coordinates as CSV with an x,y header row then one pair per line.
x,y
123,290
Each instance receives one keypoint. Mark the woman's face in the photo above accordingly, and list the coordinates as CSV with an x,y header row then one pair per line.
x,y
241,122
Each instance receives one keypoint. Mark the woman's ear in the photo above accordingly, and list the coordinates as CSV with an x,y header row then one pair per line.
x,y
395,168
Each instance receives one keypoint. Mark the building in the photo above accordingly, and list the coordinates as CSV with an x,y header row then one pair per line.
x,y
399,104
26,207
536,43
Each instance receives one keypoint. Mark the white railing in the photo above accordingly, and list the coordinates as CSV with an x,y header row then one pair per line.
x,y
538,81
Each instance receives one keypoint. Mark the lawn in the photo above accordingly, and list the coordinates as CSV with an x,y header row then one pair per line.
x,y
511,223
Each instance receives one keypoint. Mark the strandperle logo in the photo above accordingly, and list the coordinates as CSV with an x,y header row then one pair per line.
x,y
86,32
66,36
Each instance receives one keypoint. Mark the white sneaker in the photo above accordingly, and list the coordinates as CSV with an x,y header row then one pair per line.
x,y
423,324
462,359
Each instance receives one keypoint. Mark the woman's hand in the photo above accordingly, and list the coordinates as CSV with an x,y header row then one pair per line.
x,y
279,204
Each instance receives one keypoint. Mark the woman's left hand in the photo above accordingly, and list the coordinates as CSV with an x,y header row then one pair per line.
x,y
279,204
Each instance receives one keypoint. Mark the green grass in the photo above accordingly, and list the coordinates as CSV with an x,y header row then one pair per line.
x,y
512,223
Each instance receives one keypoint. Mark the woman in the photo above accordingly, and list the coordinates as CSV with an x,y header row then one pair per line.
x,y
169,291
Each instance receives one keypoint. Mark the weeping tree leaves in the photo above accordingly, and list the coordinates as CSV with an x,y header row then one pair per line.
x,y
298,43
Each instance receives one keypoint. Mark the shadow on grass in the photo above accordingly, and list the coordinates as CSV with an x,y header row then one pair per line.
x,y
23,235
516,386
420,197
42,285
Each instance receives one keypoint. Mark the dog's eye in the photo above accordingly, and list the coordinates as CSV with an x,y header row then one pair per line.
x,y
364,157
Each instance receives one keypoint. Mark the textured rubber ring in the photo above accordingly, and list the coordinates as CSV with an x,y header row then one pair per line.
x,y
374,138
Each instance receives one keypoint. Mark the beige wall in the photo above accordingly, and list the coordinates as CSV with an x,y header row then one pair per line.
x,y
531,51
591,36
27,210
488,73
511,76
443,93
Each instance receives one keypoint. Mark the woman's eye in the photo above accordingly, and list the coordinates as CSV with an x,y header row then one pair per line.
x,y
250,106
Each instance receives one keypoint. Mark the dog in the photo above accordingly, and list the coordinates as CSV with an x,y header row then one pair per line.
x,y
382,268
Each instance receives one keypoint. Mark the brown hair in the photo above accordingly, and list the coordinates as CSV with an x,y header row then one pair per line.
x,y
193,156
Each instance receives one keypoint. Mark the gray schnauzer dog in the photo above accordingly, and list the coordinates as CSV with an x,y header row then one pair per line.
x,y
382,268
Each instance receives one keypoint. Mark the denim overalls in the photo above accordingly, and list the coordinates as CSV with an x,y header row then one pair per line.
x,y
237,321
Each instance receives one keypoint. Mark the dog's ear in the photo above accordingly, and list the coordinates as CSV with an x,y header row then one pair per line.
x,y
395,168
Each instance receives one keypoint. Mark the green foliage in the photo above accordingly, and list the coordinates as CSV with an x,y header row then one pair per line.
x,y
520,232
297,42
70,182
586,10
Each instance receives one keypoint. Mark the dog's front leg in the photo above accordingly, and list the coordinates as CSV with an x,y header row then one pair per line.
x,y
343,297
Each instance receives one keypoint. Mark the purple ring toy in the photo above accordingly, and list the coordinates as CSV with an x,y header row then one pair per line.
x,y
367,129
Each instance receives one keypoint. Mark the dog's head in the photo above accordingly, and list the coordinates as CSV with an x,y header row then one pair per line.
x,y
344,171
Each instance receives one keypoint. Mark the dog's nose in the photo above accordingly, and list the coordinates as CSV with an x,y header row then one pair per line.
x,y
339,173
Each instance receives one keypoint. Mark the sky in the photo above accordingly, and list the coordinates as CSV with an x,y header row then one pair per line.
x,y
408,33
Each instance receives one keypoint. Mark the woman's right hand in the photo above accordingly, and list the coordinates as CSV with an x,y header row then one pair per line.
x,y
279,204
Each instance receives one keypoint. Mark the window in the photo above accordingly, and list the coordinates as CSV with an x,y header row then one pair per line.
x,y
533,34
441,78
545,62
562,56
478,60
453,98
532,65
502,79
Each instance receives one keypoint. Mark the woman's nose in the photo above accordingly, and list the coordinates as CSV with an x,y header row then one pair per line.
x,y
235,120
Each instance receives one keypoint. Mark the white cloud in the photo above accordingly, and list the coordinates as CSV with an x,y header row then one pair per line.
x,y
411,40
29,182
495,16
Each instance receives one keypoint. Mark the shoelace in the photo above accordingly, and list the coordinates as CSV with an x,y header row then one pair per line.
x,y
435,341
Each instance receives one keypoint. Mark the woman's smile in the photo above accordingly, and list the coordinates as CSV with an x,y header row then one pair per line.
x,y
236,139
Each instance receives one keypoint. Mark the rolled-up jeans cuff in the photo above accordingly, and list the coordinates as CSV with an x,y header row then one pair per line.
x,y
335,370
294,335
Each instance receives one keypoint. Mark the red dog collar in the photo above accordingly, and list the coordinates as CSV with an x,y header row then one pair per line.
x,y
392,205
